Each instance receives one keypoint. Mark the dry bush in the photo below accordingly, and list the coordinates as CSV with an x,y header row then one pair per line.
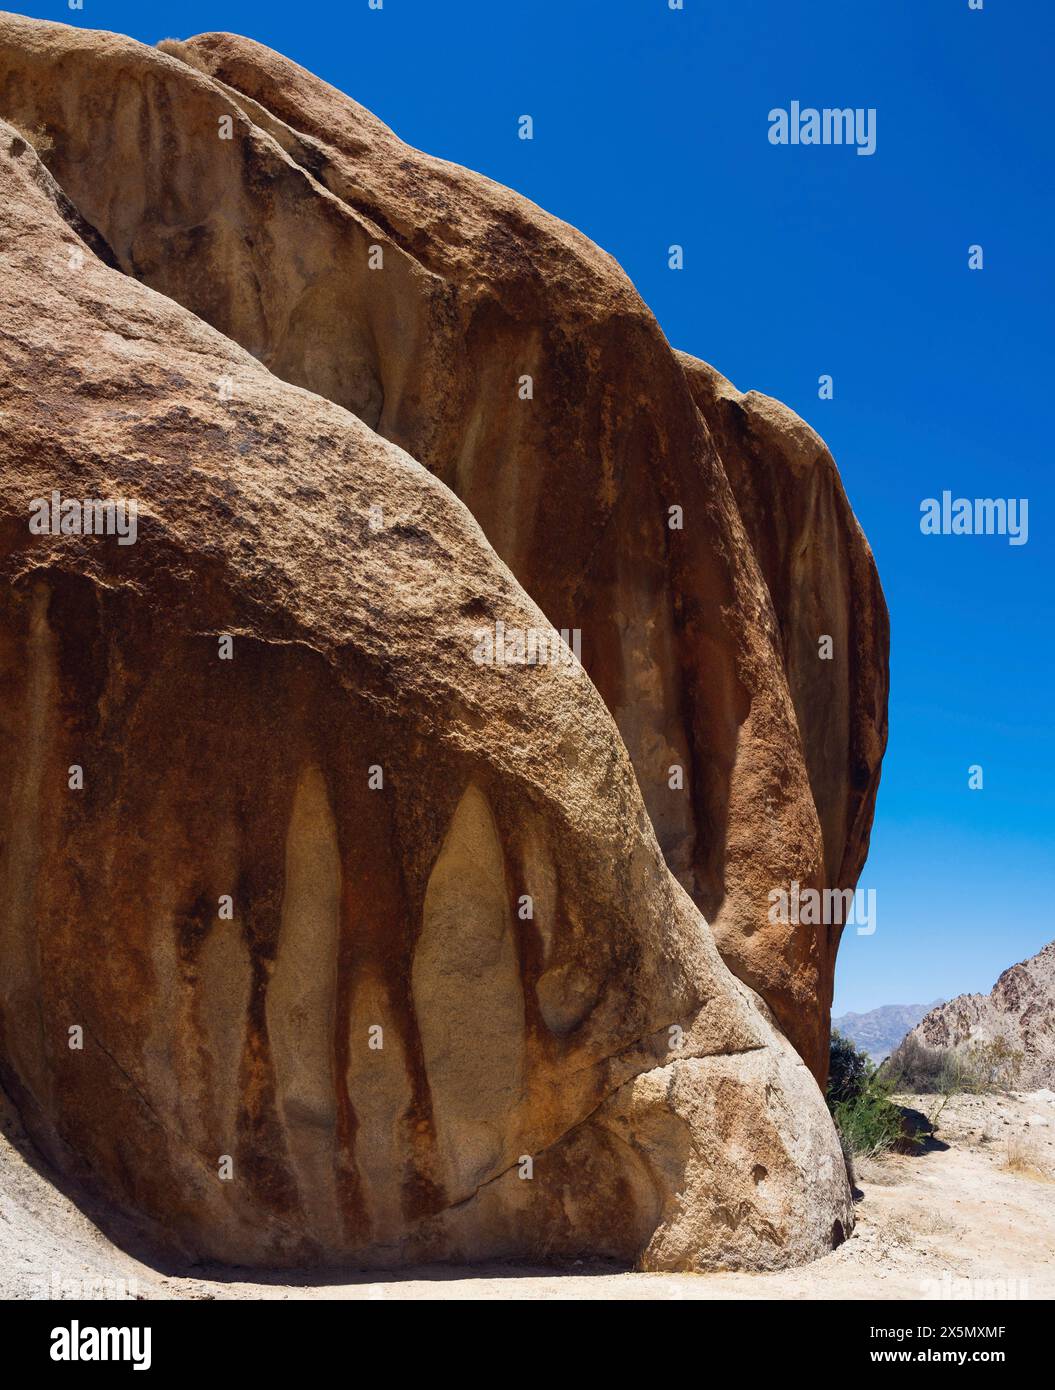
x,y
975,1069
1021,1157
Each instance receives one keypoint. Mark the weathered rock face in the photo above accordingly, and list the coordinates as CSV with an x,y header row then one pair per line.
x,y
277,1012
703,640
825,592
1019,1012
823,583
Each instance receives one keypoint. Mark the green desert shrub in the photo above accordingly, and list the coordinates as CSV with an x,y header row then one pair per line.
x,y
847,1070
858,1096
871,1124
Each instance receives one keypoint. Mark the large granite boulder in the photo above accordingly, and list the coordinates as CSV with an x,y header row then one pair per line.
x,y
700,542
321,938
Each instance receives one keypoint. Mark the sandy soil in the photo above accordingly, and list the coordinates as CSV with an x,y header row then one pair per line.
x,y
971,1216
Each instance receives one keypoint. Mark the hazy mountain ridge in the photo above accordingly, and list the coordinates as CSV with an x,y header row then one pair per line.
x,y
879,1031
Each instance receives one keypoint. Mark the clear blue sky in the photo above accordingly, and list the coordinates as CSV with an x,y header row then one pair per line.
x,y
651,128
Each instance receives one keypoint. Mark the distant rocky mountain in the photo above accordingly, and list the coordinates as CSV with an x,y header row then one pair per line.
x,y
1020,1010
880,1030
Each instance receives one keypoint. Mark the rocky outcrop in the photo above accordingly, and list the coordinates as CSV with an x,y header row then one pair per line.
x,y
700,541
822,580
321,938
1019,1012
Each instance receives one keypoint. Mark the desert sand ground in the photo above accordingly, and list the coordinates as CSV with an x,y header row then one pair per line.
x,y
972,1215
